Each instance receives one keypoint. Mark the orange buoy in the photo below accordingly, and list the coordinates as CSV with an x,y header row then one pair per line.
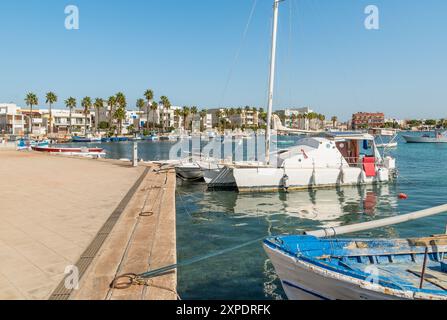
x,y
403,196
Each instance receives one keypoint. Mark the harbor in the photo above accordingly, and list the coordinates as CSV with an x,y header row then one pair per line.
x,y
288,189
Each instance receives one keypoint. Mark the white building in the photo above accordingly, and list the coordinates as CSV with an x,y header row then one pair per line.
x,y
11,119
61,120
162,116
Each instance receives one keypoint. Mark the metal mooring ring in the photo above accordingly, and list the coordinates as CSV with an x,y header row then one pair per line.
x,y
146,214
120,285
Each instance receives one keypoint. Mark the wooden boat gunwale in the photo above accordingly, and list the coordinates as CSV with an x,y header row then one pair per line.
x,y
354,276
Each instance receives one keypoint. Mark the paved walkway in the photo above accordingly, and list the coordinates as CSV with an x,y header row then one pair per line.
x,y
50,210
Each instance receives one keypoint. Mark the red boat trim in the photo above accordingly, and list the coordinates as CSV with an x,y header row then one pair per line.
x,y
67,150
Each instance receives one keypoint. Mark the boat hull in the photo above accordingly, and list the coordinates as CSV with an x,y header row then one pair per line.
x,y
272,179
305,282
68,150
412,139
193,172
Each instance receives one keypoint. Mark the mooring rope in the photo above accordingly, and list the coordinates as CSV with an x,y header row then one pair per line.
x,y
125,281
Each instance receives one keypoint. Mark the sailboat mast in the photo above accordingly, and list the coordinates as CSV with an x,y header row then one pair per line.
x,y
271,81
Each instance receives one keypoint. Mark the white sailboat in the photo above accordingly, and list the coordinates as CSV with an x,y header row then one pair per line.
x,y
336,160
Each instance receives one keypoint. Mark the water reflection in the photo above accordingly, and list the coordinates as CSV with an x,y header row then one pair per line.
x,y
328,207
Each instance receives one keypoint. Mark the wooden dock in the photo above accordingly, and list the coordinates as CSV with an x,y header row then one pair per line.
x,y
143,239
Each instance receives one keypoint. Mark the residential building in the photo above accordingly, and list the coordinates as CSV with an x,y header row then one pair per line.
x,y
162,116
35,117
61,120
11,119
365,120
240,117
245,118
302,119
218,115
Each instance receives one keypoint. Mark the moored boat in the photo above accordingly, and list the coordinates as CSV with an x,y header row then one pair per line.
x,y
356,269
340,159
27,144
189,171
427,138
67,150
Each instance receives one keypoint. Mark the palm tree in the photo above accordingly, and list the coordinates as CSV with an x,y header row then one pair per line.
x,y
120,113
186,111
178,113
334,120
140,106
71,104
149,95
112,104
305,118
51,98
194,111
166,106
202,114
99,104
219,115
154,108
86,104
31,100
294,117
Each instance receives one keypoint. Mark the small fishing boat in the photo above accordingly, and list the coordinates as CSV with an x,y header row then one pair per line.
x,y
440,137
27,144
67,150
353,269
77,139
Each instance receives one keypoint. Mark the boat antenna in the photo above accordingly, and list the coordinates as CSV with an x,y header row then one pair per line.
x,y
271,81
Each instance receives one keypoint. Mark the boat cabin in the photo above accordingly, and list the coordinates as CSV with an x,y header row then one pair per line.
x,y
356,148
333,151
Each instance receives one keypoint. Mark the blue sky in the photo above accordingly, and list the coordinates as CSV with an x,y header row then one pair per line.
x,y
186,50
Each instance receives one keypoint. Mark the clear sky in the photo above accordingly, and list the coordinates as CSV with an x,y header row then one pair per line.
x,y
186,49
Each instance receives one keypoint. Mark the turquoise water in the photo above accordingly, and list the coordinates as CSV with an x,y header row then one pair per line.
x,y
208,222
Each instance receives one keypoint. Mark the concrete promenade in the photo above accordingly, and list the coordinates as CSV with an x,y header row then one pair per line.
x,y
53,208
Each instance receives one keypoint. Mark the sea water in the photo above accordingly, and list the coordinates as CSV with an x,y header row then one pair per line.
x,y
209,221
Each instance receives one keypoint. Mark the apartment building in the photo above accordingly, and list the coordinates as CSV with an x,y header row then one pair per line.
x,y
11,119
365,120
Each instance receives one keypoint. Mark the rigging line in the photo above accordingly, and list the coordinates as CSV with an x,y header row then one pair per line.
x,y
238,52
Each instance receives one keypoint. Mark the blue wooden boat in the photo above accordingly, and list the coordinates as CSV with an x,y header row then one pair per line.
x,y
119,139
27,144
311,268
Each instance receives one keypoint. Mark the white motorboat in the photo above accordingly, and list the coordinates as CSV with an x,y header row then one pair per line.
x,y
439,137
341,159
